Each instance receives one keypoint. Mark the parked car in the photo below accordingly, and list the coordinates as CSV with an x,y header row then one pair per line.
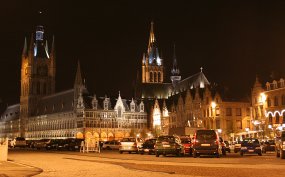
x,y
237,146
148,146
206,142
52,144
186,142
110,145
19,142
268,145
228,148
41,144
72,144
280,146
223,144
129,145
250,146
168,145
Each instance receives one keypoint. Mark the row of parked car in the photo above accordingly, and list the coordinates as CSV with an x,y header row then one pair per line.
x,y
47,144
204,142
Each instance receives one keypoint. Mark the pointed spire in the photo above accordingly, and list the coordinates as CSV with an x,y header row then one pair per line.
x,y
175,70
52,53
78,78
31,47
151,37
25,48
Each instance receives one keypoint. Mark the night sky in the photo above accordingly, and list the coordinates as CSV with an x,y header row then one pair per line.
x,y
232,40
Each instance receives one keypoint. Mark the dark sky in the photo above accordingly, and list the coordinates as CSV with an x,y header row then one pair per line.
x,y
232,40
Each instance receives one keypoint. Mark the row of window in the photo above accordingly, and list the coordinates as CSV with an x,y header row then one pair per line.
x,y
155,77
277,119
275,101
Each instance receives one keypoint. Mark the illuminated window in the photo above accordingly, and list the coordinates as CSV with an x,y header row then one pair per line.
x,y
270,119
159,77
268,102
275,101
119,111
151,77
277,118
239,124
154,77
238,111
228,111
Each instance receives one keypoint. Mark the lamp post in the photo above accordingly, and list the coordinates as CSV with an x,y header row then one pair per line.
x,y
213,111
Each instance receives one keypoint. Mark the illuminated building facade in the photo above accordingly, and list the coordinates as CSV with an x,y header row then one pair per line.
x,y
268,108
181,106
74,113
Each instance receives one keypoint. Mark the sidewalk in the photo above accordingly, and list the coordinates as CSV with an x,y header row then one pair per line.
x,y
13,169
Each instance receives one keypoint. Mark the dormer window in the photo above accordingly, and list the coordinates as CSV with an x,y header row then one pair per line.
x,y
94,103
119,111
106,104
133,106
141,107
267,86
275,84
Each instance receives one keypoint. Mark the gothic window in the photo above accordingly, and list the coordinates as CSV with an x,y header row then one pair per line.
x,y
119,111
277,118
44,88
275,101
283,99
151,77
38,87
158,77
270,119
268,102
154,77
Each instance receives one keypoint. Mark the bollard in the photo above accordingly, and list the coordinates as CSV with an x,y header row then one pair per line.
x,y
4,150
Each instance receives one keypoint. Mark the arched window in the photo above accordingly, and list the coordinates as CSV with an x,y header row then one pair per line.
x,y
277,118
154,77
151,77
270,119
158,77
268,102
275,101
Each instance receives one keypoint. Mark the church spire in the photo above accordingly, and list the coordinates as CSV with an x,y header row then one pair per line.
x,y
151,37
175,78
78,77
31,46
175,71
25,48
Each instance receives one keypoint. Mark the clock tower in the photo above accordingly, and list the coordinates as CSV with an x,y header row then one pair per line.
x,y
37,75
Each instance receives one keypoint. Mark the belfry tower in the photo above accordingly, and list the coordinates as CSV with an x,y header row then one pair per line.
x,y
152,64
37,74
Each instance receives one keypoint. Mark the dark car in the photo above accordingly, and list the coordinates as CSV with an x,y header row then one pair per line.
x,y
72,144
186,142
206,142
280,146
227,144
250,146
148,146
268,145
168,145
41,144
53,144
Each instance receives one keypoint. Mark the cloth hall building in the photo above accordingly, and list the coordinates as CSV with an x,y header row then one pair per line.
x,y
75,113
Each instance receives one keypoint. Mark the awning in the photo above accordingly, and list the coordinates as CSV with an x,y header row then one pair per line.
x,y
248,132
